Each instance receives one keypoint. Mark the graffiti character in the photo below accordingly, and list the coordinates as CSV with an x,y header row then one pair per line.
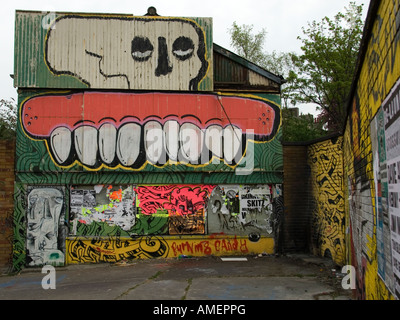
x,y
45,206
169,54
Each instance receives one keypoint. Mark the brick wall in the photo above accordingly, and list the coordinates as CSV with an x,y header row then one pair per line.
x,y
7,153
297,213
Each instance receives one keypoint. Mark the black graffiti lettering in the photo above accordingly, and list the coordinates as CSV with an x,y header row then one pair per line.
x,y
255,203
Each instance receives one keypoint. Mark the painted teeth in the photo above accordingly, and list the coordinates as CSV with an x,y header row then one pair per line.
x,y
153,141
132,144
61,141
128,143
214,140
191,137
171,129
86,145
107,142
232,142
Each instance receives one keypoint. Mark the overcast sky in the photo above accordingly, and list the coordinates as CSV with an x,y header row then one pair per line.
x,y
283,20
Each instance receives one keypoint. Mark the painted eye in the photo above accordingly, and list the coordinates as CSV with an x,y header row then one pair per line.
x,y
183,48
142,49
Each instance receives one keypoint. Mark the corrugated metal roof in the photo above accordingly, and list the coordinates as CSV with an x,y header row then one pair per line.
x,y
231,70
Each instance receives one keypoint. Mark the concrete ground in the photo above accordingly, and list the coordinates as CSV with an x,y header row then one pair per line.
x,y
293,277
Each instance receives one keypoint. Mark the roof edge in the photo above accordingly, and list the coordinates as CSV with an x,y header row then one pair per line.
x,y
248,64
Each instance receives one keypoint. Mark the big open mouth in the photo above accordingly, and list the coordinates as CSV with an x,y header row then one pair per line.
x,y
130,129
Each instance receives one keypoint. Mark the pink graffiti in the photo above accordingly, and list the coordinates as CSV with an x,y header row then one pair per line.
x,y
177,200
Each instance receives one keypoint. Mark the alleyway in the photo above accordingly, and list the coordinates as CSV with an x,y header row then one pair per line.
x,y
295,277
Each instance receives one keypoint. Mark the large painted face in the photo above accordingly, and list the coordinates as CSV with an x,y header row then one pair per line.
x,y
129,53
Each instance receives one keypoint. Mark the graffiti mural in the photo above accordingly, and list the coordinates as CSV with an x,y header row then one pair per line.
x,y
118,113
184,206
124,130
45,222
115,249
242,209
109,51
176,51
328,217
127,210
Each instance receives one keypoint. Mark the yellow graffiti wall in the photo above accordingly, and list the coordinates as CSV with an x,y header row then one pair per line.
x,y
120,249
328,216
379,72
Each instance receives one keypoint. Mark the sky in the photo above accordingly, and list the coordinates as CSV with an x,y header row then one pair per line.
x,y
282,19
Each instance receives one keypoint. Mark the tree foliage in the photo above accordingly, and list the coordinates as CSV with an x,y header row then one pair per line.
x,y
247,44
324,72
295,127
300,127
8,119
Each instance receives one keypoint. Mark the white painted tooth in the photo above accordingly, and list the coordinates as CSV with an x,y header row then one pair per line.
x,y
60,143
86,144
232,142
213,140
107,142
192,141
128,143
154,141
171,133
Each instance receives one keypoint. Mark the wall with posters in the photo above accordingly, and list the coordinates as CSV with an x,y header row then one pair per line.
x,y
109,223
243,210
233,219
371,158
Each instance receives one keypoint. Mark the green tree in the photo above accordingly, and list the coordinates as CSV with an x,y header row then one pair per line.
x,y
8,119
295,127
300,127
324,72
250,45
247,44
281,63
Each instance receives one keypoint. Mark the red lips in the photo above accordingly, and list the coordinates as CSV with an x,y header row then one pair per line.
x,y
42,114
131,129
